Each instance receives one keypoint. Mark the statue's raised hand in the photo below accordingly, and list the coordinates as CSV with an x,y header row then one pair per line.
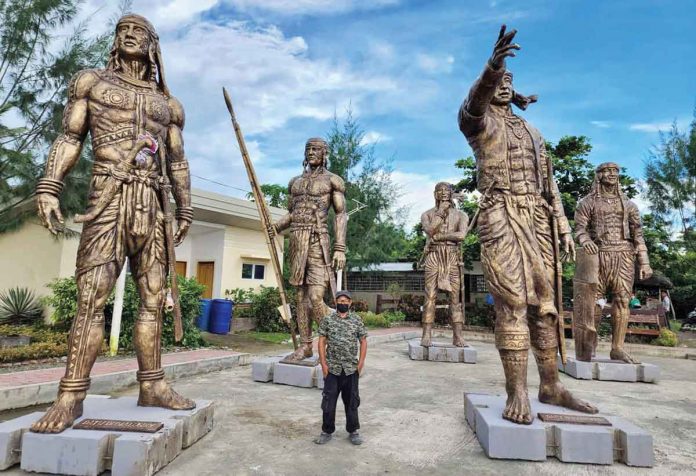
x,y
504,47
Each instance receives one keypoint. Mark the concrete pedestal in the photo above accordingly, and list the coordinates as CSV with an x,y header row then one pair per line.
x,y
441,351
308,374
570,443
90,452
603,368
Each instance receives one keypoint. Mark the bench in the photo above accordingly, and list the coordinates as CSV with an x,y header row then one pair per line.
x,y
638,317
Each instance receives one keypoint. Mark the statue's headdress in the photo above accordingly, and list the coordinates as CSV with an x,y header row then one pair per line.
x,y
154,54
518,99
321,142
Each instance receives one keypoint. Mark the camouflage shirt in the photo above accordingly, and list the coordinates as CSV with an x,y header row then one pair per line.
x,y
342,336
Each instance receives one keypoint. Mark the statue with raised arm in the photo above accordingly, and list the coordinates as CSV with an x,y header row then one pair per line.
x,y
445,227
518,207
129,113
609,231
312,268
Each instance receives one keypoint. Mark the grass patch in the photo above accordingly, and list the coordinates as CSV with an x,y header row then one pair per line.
x,y
675,326
272,337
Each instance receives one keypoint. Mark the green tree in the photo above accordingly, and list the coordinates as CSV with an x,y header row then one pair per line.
x,y
34,74
275,195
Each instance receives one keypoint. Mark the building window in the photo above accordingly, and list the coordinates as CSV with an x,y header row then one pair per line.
x,y
253,271
478,283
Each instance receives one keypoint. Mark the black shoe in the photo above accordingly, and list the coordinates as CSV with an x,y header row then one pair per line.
x,y
323,438
355,438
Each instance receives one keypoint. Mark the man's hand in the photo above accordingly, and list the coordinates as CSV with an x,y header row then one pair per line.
x,y
440,237
360,367
444,206
644,272
590,248
568,246
339,260
503,48
181,231
324,370
49,208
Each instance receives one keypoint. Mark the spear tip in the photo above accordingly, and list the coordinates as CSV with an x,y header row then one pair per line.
x,y
228,101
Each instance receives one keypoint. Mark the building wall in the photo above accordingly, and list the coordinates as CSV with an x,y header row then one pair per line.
x,y
241,246
31,258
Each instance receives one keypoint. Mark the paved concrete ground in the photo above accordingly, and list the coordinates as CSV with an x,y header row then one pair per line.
x,y
413,421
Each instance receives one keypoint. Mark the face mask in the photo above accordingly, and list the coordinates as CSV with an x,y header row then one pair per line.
x,y
342,308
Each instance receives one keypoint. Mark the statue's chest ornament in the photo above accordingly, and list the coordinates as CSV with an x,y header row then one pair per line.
x,y
516,126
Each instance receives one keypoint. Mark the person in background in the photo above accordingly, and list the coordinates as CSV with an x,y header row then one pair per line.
x,y
666,303
339,334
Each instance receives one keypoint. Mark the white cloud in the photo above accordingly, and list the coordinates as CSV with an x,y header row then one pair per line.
x,y
416,193
373,137
650,126
434,63
301,7
601,124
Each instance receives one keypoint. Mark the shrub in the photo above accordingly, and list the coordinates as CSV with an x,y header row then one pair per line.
x,y
239,295
19,306
45,343
264,310
64,303
410,305
667,338
480,314
370,319
360,306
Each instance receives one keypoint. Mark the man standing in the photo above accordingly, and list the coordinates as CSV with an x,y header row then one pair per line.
x,y
520,204
312,195
446,228
339,334
129,113
608,227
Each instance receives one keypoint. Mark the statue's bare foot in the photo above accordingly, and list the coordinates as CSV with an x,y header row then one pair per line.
x,y
517,408
557,394
301,353
159,393
622,355
61,415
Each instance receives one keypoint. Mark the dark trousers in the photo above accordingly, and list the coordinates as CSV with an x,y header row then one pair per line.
x,y
347,386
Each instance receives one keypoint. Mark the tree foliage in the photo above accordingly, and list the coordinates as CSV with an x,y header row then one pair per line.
x,y
35,71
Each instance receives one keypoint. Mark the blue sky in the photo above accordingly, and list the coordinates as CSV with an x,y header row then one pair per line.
x,y
616,72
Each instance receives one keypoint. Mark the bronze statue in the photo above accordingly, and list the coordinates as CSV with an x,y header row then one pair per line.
x,y
445,228
519,205
129,113
312,195
608,228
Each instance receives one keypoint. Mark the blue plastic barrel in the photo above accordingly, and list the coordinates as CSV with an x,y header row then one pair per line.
x,y
220,316
203,320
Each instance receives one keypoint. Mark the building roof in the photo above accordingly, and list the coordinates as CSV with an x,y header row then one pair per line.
x,y
388,267
217,208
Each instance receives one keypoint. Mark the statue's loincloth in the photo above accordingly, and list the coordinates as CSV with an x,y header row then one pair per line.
x,y
516,250
442,267
308,264
130,225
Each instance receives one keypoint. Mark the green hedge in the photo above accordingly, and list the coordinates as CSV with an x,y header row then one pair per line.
x,y
63,300
44,344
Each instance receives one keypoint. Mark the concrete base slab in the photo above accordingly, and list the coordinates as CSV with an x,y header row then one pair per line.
x,y
307,375
88,452
603,368
570,443
441,351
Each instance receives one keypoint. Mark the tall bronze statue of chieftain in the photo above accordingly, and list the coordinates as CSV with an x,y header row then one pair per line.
x,y
312,195
608,228
129,113
446,228
519,207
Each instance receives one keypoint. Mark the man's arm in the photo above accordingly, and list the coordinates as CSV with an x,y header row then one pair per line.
x,y
363,354
178,169
66,149
322,356
431,224
583,218
338,200
462,227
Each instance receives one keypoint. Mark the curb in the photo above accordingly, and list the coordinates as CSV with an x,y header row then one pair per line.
x,y
45,392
